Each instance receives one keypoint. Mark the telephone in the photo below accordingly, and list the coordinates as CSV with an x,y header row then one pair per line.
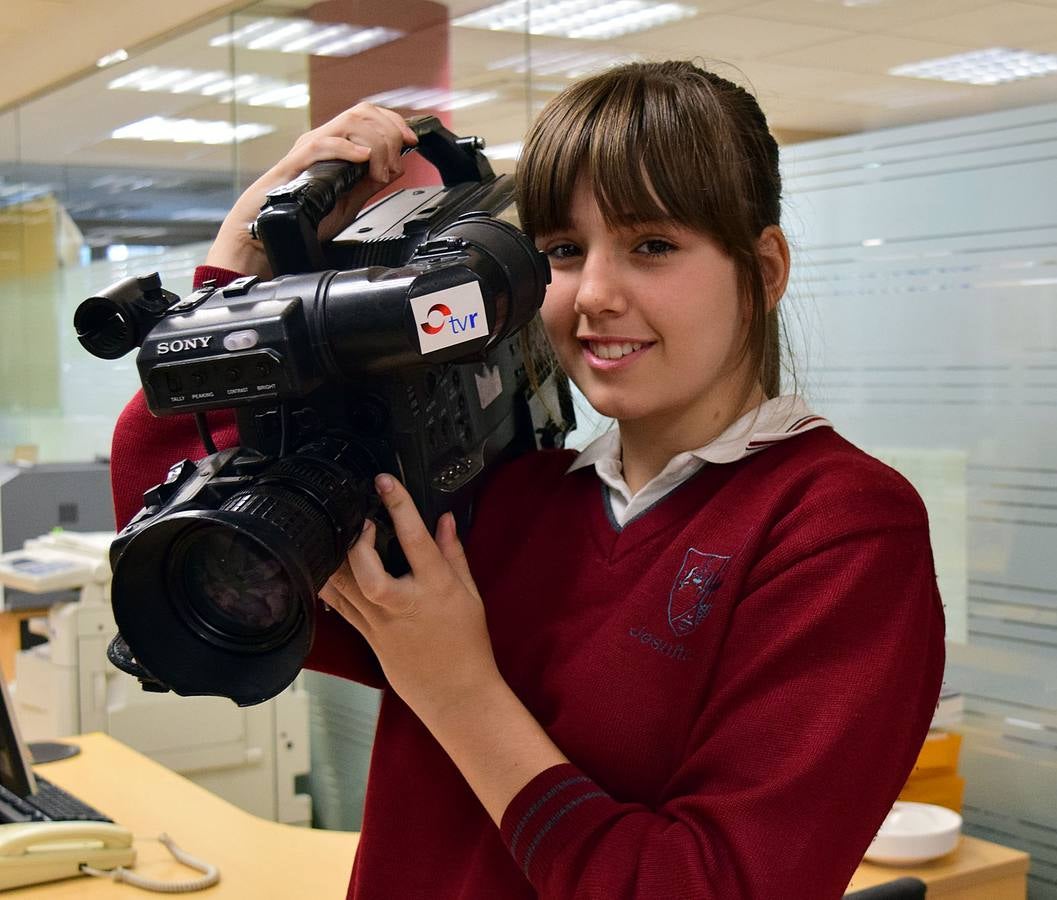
x,y
32,852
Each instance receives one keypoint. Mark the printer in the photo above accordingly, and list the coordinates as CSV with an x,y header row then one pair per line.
x,y
40,497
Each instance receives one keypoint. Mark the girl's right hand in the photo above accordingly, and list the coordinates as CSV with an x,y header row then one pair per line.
x,y
364,133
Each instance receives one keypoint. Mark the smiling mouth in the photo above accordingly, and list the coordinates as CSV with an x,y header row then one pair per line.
x,y
613,350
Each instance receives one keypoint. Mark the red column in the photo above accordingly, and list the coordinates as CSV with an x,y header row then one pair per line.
x,y
419,58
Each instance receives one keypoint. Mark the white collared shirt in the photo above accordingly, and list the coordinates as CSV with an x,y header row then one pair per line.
x,y
772,421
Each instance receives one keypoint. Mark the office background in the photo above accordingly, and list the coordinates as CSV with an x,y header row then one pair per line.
x,y
923,213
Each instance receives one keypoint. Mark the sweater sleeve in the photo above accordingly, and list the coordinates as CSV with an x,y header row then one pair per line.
x,y
820,701
143,448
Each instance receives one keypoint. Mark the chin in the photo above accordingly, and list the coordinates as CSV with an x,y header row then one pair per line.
x,y
616,407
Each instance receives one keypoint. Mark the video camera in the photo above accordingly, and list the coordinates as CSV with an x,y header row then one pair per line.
x,y
400,346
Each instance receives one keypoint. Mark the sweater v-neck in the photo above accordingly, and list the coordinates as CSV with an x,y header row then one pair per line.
x,y
615,541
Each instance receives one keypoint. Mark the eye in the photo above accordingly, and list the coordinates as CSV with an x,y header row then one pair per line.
x,y
559,251
655,247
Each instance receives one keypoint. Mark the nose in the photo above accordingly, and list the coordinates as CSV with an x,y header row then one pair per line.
x,y
599,292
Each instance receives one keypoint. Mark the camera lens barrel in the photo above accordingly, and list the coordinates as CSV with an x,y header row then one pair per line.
x,y
523,271
221,601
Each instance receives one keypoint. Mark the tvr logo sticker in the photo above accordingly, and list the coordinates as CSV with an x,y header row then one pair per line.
x,y
449,317
439,317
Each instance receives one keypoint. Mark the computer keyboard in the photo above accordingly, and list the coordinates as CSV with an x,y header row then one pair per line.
x,y
50,804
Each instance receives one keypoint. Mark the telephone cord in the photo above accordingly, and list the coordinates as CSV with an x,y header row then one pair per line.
x,y
210,877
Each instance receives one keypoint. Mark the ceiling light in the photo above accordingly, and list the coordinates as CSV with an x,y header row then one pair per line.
x,y
587,19
15,192
200,214
251,89
994,65
568,63
190,131
112,58
431,98
305,36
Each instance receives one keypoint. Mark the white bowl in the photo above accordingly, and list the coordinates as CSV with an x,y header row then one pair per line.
x,y
915,832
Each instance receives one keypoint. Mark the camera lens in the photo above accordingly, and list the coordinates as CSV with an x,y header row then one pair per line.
x,y
221,601
232,584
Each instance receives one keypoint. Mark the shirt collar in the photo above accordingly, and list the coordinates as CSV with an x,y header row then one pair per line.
x,y
773,420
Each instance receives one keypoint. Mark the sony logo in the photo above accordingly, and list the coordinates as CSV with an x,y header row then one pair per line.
x,y
193,343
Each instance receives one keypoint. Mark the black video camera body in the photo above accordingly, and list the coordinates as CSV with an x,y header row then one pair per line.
x,y
401,346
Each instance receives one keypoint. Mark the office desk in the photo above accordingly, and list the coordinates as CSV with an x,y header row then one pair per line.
x,y
270,861
257,858
976,870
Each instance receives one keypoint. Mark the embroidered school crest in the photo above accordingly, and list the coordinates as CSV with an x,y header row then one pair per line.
x,y
697,580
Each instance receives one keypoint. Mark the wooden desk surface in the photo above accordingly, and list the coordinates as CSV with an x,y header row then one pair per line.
x,y
975,870
270,861
257,858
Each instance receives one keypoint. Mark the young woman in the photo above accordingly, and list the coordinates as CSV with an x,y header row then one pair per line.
x,y
696,660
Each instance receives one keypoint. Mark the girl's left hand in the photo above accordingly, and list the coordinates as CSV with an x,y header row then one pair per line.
x,y
427,628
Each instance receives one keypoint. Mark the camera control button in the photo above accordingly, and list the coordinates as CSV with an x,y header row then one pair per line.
x,y
160,494
240,286
241,340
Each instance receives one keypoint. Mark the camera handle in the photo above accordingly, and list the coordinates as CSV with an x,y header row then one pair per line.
x,y
289,220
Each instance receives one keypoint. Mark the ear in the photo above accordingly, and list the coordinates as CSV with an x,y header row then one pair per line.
x,y
773,251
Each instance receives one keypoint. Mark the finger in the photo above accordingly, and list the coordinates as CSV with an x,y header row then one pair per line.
x,y
326,147
377,128
337,602
375,584
418,545
344,582
452,550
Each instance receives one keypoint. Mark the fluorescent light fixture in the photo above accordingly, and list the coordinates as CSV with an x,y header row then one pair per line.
x,y
285,35
431,98
994,65
873,242
251,89
112,58
200,214
15,192
190,131
504,151
597,20
121,184
567,63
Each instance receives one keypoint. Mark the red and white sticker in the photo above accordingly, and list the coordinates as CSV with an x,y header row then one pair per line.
x,y
449,317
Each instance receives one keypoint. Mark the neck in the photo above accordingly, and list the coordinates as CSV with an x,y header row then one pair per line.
x,y
647,446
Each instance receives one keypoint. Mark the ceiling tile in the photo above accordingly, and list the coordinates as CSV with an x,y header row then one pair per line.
x,y
998,24
730,37
875,53
880,16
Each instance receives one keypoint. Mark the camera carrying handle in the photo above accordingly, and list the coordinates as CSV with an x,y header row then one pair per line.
x,y
289,219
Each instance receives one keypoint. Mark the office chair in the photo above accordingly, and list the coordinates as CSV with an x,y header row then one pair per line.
x,y
900,889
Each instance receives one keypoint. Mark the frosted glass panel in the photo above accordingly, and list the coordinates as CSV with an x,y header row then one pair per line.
x,y
924,305
55,395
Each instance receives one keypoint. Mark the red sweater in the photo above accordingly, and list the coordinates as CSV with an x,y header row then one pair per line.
x,y
742,678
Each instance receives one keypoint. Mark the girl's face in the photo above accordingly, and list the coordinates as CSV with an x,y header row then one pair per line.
x,y
646,320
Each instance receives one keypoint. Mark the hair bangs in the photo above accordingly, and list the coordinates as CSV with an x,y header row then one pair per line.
x,y
630,140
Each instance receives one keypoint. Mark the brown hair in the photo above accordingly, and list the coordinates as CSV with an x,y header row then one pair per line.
x,y
664,140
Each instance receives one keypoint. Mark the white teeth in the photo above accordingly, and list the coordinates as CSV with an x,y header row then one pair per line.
x,y
612,351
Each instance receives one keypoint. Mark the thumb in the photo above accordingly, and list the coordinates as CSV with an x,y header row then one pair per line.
x,y
451,547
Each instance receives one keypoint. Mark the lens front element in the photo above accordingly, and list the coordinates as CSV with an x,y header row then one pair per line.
x,y
232,585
